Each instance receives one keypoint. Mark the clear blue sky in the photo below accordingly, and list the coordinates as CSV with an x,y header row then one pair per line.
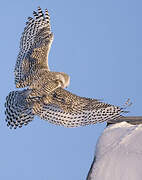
x,y
99,44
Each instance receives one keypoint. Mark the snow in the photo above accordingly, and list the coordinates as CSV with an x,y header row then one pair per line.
x,y
118,153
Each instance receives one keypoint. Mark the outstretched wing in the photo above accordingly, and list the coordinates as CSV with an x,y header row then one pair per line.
x,y
70,110
61,108
35,45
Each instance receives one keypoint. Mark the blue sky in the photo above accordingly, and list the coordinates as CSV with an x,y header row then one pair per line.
x,y
99,44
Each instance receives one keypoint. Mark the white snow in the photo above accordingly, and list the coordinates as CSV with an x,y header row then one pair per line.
x,y
118,153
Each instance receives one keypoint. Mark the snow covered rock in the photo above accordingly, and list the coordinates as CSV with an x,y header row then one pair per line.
x,y
118,154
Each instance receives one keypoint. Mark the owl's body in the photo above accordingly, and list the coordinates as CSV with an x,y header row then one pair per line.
x,y
45,81
45,95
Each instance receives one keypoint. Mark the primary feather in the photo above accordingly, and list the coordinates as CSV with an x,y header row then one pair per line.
x,y
35,45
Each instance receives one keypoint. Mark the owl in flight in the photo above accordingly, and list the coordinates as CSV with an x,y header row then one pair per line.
x,y
45,94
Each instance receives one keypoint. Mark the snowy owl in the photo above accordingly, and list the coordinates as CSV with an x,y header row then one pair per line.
x,y
44,94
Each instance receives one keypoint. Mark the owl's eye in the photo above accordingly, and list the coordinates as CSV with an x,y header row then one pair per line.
x,y
54,95
63,100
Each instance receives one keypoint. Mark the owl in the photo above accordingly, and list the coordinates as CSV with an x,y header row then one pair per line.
x,y
43,92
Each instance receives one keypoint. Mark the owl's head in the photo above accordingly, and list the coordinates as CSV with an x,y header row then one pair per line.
x,y
64,78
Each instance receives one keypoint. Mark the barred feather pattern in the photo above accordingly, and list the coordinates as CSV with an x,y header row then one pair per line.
x,y
44,81
74,111
70,110
55,115
35,45
18,110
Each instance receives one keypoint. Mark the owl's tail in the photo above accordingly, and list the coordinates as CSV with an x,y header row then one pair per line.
x,y
19,110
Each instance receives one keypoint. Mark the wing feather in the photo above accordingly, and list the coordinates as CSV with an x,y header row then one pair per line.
x,y
70,110
35,45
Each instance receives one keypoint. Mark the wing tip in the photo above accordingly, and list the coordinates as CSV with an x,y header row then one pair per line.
x,y
39,15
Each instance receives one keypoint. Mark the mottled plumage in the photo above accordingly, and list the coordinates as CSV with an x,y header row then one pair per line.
x,y
19,111
45,95
60,107
35,45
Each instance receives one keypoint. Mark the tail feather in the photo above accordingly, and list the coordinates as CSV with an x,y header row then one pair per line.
x,y
18,110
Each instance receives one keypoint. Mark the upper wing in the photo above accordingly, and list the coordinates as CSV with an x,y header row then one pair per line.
x,y
35,44
70,110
